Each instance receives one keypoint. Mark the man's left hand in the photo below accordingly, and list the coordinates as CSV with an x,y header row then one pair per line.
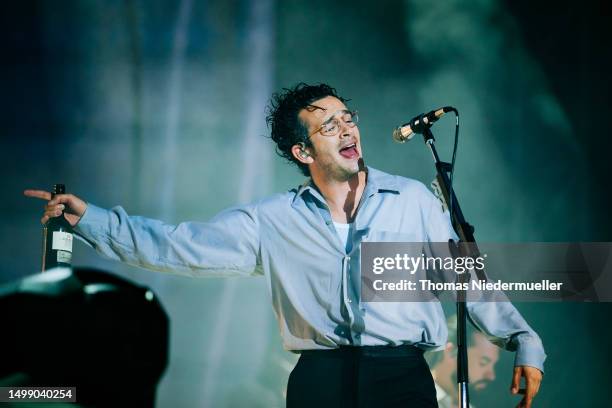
x,y
533,378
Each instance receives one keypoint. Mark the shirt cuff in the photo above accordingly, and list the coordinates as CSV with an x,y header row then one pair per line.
x,y
92,222
530,353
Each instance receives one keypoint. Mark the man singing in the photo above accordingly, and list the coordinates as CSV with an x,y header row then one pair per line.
x,y
306,242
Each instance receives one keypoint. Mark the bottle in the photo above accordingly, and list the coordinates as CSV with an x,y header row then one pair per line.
x,y
57,239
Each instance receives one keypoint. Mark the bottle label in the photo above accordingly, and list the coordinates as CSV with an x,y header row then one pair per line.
x,y
64,257
62,241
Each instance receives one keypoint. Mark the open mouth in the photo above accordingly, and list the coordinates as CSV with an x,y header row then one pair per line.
x,y
350,151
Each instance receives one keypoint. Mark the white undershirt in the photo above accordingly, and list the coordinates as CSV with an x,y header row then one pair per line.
x,y
343,231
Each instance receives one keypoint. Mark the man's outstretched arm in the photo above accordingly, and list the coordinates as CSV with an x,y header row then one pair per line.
x,y
227,245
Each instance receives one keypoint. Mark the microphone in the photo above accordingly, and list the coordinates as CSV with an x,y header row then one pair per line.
x,y
418,124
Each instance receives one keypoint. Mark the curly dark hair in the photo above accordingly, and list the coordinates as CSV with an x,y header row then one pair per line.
x,y
286,128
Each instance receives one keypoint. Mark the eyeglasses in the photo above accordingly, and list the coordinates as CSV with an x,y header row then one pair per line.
x,y
332,126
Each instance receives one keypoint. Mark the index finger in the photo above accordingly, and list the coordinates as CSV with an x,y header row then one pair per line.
x,y
45,195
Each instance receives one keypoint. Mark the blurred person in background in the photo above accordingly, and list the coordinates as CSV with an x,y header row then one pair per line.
x,y
482,357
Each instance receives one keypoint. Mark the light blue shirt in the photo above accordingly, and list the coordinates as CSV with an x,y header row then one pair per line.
x,y
313,282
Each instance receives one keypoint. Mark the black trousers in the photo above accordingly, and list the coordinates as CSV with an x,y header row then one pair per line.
x,y
362,377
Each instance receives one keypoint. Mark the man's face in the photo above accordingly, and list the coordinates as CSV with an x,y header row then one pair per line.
x,y
482,357
336,157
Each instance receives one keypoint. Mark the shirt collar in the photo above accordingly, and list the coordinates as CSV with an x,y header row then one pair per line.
x,y
377,182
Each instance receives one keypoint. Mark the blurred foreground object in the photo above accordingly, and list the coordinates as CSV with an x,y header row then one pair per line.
x,y
84,328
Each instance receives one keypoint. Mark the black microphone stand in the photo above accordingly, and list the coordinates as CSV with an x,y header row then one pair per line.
x,y
465,232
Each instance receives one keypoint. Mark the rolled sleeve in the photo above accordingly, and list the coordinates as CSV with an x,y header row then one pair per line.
x,y
505,327
529,352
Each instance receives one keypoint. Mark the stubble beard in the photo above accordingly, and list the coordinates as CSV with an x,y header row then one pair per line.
x,y
341,173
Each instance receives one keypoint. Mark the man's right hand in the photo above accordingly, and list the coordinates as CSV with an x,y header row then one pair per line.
x,y
72,206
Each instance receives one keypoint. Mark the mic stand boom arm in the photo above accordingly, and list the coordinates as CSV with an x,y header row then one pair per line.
x,y
465,232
